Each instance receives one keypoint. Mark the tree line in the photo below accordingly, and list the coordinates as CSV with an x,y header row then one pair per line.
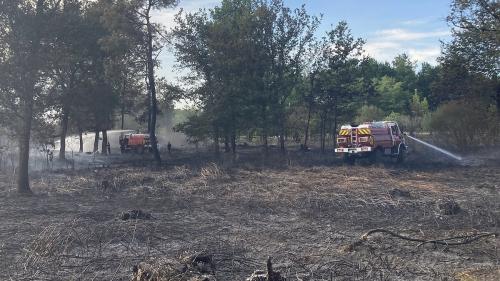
x,y
256,69
74,64
261,69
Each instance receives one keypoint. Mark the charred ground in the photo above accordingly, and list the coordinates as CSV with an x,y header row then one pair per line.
x,y
306,216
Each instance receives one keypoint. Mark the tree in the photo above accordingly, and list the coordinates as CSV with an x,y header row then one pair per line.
x,y
475,29
143,9
291,32
419,110
193,36
404,71
455,82
124,42
391,95
24,36
426,77
249,56
340,81
67,62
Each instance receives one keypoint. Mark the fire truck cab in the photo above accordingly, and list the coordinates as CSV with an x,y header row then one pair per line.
x,y
373,140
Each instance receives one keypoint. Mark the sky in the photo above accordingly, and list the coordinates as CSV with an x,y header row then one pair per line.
x,y
390,27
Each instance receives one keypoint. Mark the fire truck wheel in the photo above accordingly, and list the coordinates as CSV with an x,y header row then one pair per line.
x,y
376,156
348,159
402,155
140,150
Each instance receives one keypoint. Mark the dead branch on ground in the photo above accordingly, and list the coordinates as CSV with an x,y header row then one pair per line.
x,y
462,240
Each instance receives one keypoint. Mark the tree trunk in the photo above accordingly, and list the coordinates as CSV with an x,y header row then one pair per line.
x,y
80,137
152,87
23,182
226,144
122,112
306,137
122,117
64,132
282,141
265,130
216,140
96,140
233,143
104,144
309,109
28,91
328,132
323,133
335,125
282,132
498,98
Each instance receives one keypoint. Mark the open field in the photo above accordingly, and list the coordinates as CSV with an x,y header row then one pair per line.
x,y
307,217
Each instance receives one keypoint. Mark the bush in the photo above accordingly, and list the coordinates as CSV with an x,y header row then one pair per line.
x,y
465,125
426,122
368,113
406,124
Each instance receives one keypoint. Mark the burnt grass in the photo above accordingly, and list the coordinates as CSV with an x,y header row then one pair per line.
x,y
303,210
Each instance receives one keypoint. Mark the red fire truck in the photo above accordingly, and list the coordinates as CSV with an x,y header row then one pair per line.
x,y
373,140
134,142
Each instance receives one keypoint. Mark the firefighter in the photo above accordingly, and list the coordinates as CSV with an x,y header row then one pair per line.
x,y
169,147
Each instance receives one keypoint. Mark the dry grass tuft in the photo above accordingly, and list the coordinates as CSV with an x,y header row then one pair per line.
x,y
213,172
196,267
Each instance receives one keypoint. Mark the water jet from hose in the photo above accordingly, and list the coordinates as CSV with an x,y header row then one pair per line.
x,y
456,157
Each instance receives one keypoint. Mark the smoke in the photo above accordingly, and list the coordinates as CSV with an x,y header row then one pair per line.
x,y
73,141
176,139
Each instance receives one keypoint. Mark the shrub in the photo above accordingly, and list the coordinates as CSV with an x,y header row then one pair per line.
x,y
404,121
368,113
465,125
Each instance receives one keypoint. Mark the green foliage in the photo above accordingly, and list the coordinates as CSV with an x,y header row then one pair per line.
x,y
246,58
404,71
368,113
465,124
404,121
340,83
255,69
427,75
419,107
197,128
476,25
391,95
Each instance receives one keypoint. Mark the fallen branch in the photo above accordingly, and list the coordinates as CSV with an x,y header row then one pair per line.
x,y
464,239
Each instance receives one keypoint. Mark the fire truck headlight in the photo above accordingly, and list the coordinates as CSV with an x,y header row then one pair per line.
x,y
341,140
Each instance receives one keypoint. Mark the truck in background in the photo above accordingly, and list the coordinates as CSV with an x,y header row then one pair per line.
x,y
134,143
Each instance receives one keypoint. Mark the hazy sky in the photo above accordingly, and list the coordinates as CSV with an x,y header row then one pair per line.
x,y
390,27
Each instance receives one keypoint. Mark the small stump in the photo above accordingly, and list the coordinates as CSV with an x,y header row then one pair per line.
x,y
448,207
270,275
135,215
396,192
